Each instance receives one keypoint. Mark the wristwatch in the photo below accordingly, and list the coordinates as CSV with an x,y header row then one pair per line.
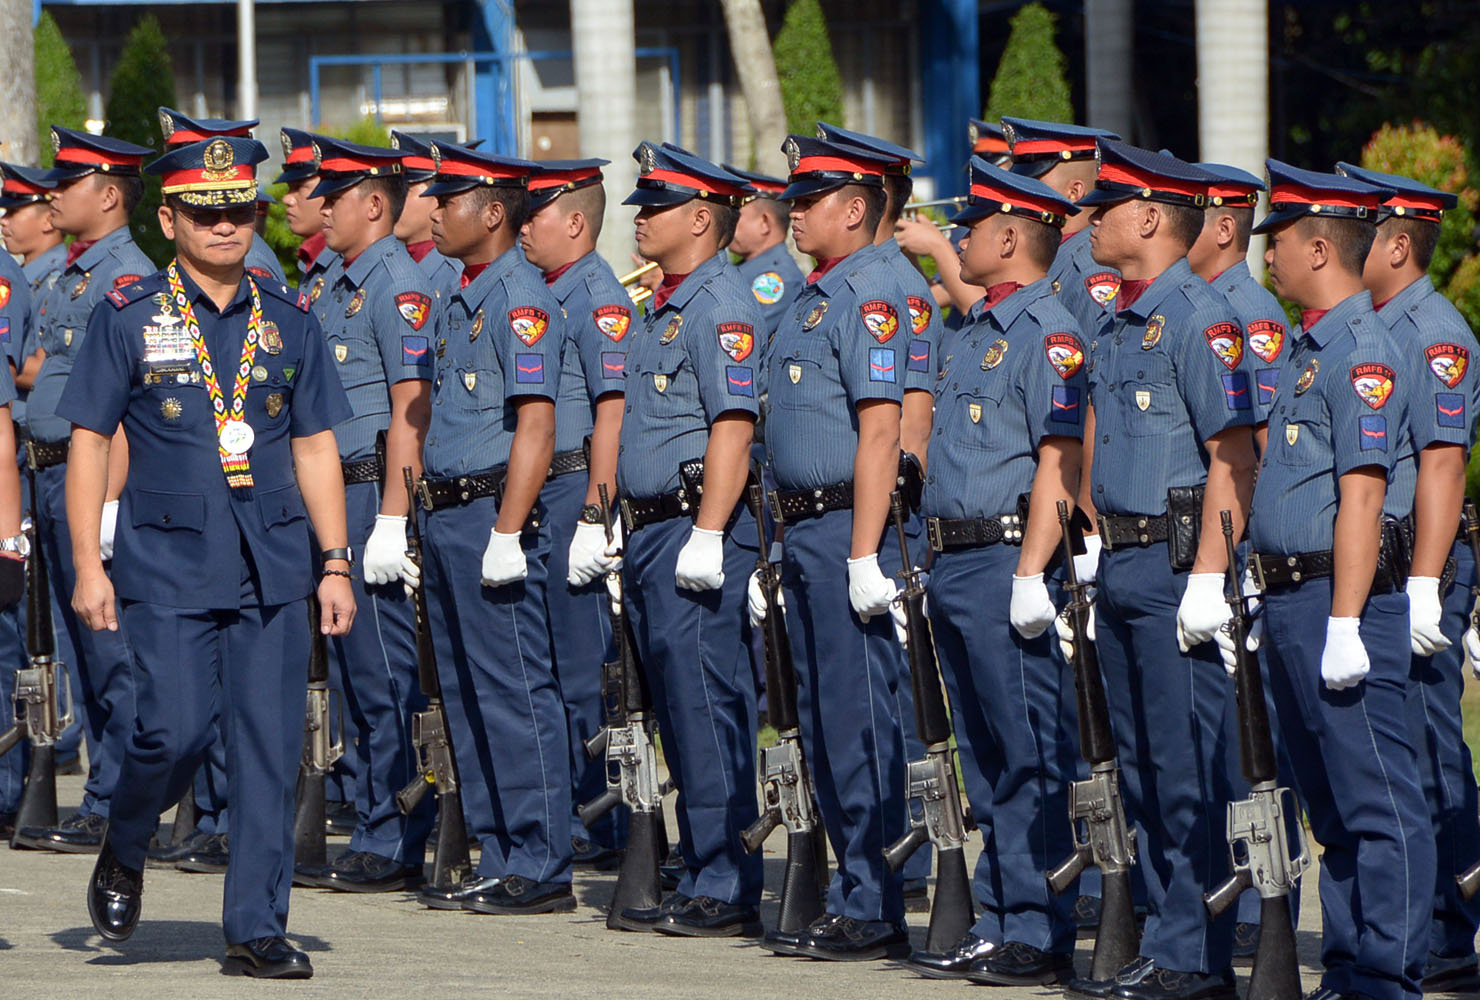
x,y
19,544
340,553
591,514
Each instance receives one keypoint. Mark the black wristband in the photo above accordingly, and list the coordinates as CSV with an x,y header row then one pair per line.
x,y
342,552
338,572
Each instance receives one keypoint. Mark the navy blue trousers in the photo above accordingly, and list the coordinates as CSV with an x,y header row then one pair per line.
x,y
692,647
1358,777
848,677
1012,710
503,704
1169,711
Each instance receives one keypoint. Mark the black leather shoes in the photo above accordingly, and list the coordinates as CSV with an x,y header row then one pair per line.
x,y
7,825
517,894
75,835
705,916
790,942
340,819
169,855
633,919
1135,970
951,964
268,958
365,871
452,898
1456,974
850,940
210,857
591,856
1019,964
1168,984
114,896
672,871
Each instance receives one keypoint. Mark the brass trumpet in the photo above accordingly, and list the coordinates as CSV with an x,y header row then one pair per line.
x,y
912,209
637,293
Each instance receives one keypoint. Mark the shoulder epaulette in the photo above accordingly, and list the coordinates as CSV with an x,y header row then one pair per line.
x,y
283,293
128,292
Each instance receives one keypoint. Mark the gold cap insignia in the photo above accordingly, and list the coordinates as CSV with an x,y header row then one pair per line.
x,y
166,124
647,159
793,152
287,144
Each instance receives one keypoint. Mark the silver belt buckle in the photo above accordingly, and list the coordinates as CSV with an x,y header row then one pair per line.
x,y
424,494
1256,567
932,531
1104,529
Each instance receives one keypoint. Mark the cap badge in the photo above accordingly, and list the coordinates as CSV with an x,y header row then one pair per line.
x,y
219,160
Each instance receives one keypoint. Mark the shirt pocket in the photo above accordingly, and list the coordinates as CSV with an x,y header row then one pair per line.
x,y
267,404
797,376
178,407
1301,438
283,505
978,412
1150,401
476,388
357,361
168,511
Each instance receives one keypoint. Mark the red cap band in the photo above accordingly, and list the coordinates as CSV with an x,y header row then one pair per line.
x,y
1117,174
1415,202
836,164
1233,192
1299,194
300,154
689,181
241,175
357,165
90,157
15,185
1026,147
1015,199
991,144
460,168
182,135
559,178
418,163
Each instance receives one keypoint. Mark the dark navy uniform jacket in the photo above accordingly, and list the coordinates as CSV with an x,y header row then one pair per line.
x,y
1265,331
695,359
181,532
380,320
598,330
1165,375
500,340
1087,288
112,262
1342,404
848,340
926,329
1011,377
774,279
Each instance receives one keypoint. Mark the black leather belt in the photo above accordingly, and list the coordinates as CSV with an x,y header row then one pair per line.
x,y
948,533
652,510
799,505
568,461
43,455
1273,570
363,470
1119,531
436,494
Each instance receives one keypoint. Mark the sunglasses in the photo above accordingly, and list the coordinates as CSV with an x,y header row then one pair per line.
x,y
207,218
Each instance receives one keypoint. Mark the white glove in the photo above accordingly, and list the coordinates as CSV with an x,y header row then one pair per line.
x,y
1344,660
897,613
1223,638
107,528
701,561
869,590
755,598
1087,565
614,591
385,549
410,575
587,555
1472,648
1031,610
1203,610
1066,633
503,559
1424,611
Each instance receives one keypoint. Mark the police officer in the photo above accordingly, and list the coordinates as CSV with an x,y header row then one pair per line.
x,y
487,454
567,204
835,387
304,213
221,489
414,227
97,186
765,265
179,130
1323,547
1169,444
1431,334
691,398
1009,417
380,324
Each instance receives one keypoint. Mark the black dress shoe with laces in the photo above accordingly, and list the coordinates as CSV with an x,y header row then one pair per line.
x,y
851,940
953,963
518,895
169,855
591,856
114,896
340,819
647,918
1168,984
77,834
1454,974
7,825
1019,964
366,871
210,858
452,898
672,871
790,942
1135,970
268,958
705,916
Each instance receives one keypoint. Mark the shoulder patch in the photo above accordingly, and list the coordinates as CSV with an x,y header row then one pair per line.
x,y
415,308
613,321
1448,362
130,292
768,288
1103,286
880,319
4,292
1266,339
736,339
1226,341
1065,353
1373,383
529,324
920,312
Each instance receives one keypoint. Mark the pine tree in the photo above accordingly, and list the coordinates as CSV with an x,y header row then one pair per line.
x,y
142,83
1030,80
811,86
59,98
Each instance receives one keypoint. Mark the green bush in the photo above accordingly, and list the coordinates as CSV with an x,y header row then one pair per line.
x,y
811,87
59,98
1440,161
142,83
1030,81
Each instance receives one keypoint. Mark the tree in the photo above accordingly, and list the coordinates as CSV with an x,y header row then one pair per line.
x,y
755,64
811,86
17,82
1420,152
59,99
1030,81
142,83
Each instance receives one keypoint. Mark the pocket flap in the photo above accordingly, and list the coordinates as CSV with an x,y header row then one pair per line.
x,y
168,510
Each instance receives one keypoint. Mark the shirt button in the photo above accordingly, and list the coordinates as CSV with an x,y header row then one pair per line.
x,y
954,386
1140,374
1100,489
1105,439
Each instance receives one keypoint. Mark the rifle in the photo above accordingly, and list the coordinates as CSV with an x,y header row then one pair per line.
x,y
786,784
42,688
1258,844
932,781
430,733
1469,881
1101,835
321,749
626,743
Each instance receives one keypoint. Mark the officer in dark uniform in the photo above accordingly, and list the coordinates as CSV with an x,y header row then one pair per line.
x,y
381,324
1009,418
97,185
1431,333
487,455
691,398
1167,368
567,204
414,227
1324,544
835,386
226,471
765,265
